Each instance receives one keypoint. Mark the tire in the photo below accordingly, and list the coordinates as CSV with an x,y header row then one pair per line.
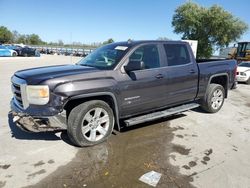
x,y
248,81
84,127
214,98
14,54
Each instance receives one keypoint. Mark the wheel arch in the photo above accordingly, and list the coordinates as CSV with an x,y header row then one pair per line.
x,y
14,52
221,79
104,96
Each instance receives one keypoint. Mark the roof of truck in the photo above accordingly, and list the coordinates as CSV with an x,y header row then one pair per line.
x,y
138,42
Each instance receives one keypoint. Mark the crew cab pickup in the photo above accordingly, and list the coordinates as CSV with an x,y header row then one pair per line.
x,y
119,84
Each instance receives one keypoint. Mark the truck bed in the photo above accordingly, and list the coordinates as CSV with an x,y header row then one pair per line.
x,y
209,68
208,60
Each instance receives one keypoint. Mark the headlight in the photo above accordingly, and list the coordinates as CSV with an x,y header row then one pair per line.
x,y
37,94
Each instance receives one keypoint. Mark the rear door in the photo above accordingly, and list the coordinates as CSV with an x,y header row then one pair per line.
x,y
143,90
180,73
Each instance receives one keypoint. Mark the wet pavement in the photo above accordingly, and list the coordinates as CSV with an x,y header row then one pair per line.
x,y
121,160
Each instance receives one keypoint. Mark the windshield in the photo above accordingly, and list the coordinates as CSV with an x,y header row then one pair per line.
x,y
106,57
244,65
242,47
3,47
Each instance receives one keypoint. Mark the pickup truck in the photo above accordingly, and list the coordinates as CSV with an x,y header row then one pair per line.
x,y
118,85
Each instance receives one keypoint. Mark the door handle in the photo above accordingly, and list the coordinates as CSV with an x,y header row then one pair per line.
x,y
159,76
192,71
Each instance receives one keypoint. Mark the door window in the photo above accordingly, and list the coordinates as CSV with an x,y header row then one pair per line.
x,y
177,54
148,54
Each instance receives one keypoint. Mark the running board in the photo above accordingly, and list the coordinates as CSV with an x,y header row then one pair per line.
x,y
160,114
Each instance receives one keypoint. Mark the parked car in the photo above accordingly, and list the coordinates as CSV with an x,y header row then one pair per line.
x,y
61,51
120,84
18,49
26,52
79,53
42,51
68,52
243,72
6,52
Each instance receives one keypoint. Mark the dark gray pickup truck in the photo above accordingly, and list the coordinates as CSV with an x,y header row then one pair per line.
x,y
120,84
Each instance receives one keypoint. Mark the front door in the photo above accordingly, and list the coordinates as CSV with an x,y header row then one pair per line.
x,y
143,90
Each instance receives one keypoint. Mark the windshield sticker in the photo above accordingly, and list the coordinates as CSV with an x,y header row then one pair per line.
x,y
123,48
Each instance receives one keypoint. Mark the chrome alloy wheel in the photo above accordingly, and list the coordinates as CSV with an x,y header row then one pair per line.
x,y
95,124
217,99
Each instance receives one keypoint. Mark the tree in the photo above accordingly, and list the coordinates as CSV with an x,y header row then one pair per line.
x,y
34,39
213,27
22,39
108,41
163,38
5,35
16,36
60,42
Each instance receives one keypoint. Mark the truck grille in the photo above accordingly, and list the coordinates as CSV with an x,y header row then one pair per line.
x,y
16,89
17,85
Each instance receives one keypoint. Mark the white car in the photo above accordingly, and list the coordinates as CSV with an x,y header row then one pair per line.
x,y
243,72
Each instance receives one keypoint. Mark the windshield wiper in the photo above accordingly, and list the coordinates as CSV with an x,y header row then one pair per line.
x,y
87,65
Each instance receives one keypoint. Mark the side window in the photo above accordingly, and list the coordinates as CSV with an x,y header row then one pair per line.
x,y
148,54
177,54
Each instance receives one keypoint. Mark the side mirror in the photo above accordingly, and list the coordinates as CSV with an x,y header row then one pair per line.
x,y
134,65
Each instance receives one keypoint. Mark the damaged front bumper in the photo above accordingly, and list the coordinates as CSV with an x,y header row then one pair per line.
x,y
31,124
37,124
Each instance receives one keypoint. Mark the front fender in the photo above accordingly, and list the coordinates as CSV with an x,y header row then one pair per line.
x,y
86,86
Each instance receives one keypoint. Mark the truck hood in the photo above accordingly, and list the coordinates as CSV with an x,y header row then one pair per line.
x,y
37,75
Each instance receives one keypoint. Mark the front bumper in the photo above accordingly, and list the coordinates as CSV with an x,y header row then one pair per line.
x,y
37,124
240,78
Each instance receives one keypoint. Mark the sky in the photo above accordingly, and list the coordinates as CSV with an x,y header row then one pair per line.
x,y
89,21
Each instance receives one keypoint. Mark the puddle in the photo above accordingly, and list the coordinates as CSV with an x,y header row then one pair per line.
x,y
2,183
5,166
121,160
40,163
51,161
181,150
36,173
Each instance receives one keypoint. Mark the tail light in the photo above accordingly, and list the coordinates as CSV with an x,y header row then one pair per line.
x,y
235,71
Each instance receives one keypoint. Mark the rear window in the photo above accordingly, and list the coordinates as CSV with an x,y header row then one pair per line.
x,y
177,54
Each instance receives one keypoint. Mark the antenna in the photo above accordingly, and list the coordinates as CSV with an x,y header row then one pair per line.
x,y
71,47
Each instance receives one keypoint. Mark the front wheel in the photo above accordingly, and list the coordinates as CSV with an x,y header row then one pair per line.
x,y
90,123
214,98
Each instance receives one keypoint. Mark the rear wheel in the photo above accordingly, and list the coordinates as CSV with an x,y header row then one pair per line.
x,y
248,81
90,123
213,99
14,54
